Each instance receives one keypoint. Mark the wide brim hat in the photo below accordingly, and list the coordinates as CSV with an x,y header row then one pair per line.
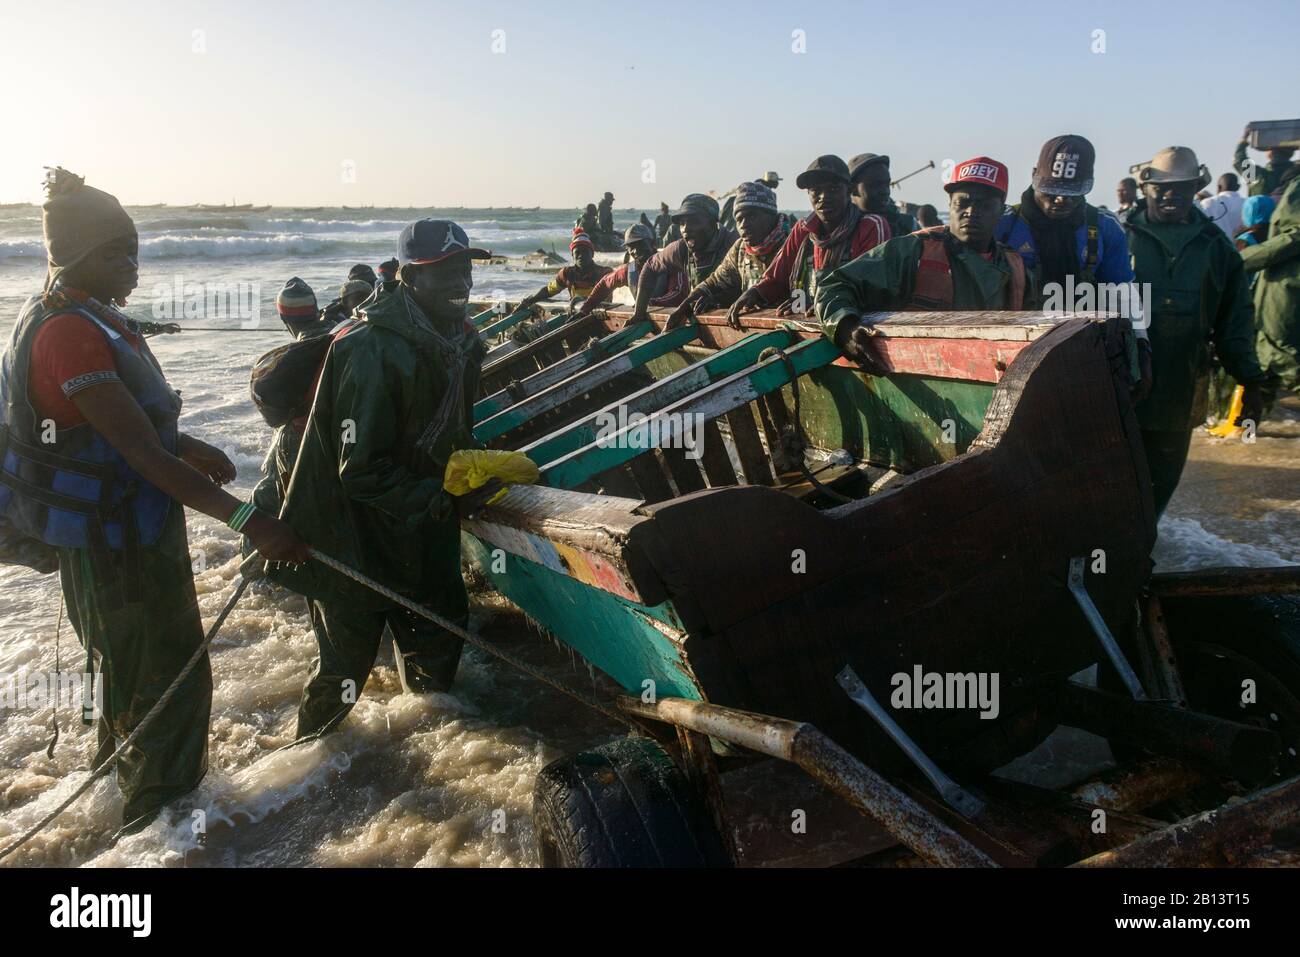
x,y
1173,164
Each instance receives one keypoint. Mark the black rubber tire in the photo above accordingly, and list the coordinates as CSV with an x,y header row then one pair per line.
x,y
1220,641
624,804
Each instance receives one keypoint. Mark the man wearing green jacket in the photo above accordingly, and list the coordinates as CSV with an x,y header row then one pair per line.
x,y
1262,180
954,267
395,399
1277,291
1198,296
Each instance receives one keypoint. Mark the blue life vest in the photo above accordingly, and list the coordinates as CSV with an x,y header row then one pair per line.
x,y
77,491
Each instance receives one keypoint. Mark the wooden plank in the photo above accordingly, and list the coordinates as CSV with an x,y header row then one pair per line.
x,y
581,383
685,471
717,464
749,447
661,426
650,477
501,325
664,392
618,481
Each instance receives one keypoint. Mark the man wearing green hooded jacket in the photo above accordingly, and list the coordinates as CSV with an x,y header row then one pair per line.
x,y
958,266
1277,290
1198,296
395,399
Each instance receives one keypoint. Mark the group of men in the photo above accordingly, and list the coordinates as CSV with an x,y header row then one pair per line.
x,y
857,254
358,470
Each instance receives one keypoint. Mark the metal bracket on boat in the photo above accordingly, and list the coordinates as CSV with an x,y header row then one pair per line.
x,y
961,800
1102,631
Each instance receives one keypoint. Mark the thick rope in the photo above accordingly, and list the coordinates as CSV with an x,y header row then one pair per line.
x,y
161,703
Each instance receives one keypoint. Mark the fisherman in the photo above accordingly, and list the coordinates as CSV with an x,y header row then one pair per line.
x,y
727,217
639,242
589,222
387,275
358,289
1070,244
835,233
395,398
1198,296
1276,263
296,306
95,483
662,222
1127,194
682,265
606,216
869,183
927,217
960,266
579,278
1262,180
762,234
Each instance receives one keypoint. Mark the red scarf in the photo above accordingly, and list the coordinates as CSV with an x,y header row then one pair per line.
x,y
769,245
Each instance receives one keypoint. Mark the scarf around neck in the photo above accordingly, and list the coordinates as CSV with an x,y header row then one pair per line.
x,y
770,243
834,245
1054,240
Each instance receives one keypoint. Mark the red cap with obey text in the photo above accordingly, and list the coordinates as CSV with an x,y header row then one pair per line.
x,y
980,171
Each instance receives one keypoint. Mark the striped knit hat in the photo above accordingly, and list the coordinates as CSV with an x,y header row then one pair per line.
x,y
296,303
580,238
754,196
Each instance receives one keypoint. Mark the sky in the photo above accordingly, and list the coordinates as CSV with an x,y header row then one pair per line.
x,y
551,103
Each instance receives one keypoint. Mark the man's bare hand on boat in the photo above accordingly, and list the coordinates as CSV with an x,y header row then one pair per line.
x,y
854,338
751,300
471,503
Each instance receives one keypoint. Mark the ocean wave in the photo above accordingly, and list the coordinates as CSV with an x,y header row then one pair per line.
x,y
22,249
223,247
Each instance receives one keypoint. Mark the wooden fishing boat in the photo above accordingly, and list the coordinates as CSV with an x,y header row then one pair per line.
x,y
749,534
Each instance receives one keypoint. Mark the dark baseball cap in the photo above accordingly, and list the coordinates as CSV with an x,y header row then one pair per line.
x,y
697,203
433,240
863,160
822,167
1065,166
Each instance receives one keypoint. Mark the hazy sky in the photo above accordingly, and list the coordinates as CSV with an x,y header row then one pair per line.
x,y
275,102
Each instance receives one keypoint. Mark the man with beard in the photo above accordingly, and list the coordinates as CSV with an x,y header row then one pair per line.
x,y
837,232
870,182
955,267
95,481
639,241
762,234
395,398
1198,297
685,263
579,278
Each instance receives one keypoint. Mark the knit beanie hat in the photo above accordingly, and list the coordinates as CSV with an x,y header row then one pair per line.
x,y
580,239
296,303
754,196
354,286
362,271
77,219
